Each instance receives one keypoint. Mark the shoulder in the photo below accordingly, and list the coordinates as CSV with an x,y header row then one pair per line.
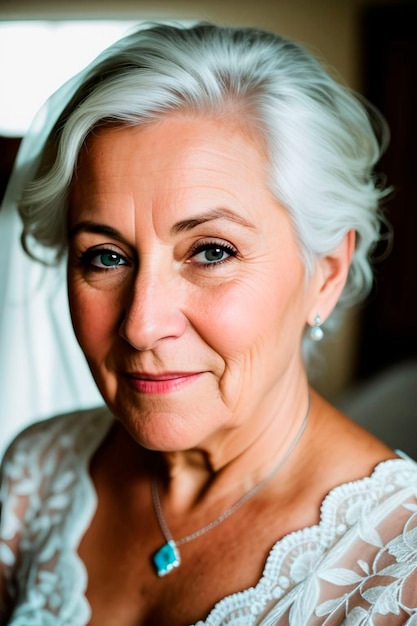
x,y
43,462
382,503
356,566
75,430
45,493
359,563
369,570
45,454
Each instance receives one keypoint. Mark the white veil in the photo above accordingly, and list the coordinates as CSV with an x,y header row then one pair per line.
x,y
42,369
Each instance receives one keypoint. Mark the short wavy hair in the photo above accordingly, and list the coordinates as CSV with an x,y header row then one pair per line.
x,y
322,140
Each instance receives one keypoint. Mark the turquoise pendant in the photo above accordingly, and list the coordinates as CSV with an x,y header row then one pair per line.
x,y
166,559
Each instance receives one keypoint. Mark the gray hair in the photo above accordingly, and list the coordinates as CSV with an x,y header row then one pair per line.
x,y
322,140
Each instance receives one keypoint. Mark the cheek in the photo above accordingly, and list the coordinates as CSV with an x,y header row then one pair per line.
x,y
233,317
241,317
93,317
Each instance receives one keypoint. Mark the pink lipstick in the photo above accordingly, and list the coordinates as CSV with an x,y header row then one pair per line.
x,y
168,382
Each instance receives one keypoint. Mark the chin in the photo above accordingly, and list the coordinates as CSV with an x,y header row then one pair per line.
x,y
162,431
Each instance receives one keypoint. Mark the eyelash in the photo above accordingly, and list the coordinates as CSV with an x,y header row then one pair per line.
x,y
200,247
86,258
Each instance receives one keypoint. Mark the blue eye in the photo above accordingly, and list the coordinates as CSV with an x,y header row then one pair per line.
x,y
212,253
102,259
109,259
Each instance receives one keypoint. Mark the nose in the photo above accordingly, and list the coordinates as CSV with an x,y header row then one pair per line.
x,y
152,311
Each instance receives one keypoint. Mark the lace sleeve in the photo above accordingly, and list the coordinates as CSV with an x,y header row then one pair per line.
x,y
15,503
28,470
48,501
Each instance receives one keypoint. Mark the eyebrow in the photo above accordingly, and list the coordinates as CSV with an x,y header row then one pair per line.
x,y
93,227
179,227
209,216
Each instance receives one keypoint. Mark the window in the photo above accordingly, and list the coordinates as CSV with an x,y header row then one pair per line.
x,y
36,57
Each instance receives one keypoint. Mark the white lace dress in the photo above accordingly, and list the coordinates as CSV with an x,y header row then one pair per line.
x,y
357,567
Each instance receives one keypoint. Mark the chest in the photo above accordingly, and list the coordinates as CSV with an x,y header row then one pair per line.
x,y
124,534
228,559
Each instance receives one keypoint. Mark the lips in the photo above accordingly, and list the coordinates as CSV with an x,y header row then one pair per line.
x,y
166,382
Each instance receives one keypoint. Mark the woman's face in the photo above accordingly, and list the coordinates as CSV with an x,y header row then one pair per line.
x,y
187,289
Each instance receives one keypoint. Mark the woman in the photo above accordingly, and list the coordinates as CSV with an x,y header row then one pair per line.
x,y
214,190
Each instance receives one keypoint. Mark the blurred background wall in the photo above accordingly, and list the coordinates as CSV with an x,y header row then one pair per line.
x,y
371,46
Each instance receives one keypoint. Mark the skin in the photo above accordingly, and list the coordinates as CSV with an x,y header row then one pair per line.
x,y
237,324
189,299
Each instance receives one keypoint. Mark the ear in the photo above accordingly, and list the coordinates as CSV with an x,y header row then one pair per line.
x,y
330,277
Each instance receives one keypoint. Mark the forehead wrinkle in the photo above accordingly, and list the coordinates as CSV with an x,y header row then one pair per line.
x,y
209,216
206,162
213,157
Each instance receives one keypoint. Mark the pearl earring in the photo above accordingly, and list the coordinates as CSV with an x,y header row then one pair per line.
x,y
316,332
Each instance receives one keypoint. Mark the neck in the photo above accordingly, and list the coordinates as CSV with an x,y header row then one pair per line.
x,y
235,465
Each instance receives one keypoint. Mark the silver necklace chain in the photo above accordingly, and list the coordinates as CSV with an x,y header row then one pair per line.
x,y
232,509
